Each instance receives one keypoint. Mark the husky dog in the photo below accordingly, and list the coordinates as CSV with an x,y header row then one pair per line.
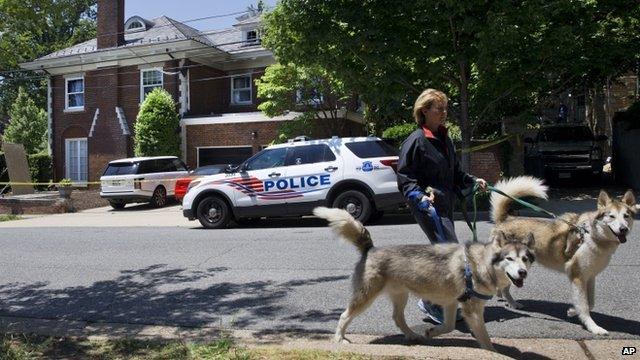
x,y
579,245
444,274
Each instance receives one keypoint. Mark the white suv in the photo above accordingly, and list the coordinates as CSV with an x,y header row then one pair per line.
x,y
142,179
357,174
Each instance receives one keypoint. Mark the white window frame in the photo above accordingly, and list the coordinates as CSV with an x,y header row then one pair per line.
x,y
218,147
135,28
250,88
66,93
251,41
67,161
142,86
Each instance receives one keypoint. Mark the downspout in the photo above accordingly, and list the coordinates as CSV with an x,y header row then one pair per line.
x,y
184,108
49,116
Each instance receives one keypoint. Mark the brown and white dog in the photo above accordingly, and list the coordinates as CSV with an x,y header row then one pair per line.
x,y
579,245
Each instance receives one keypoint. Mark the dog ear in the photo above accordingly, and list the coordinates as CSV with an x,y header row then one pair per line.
x,y
531,241
630,200
603,199
499,238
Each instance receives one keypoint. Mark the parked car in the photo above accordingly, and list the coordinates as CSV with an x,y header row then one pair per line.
x,y
564,151
183,183
356,174
142,179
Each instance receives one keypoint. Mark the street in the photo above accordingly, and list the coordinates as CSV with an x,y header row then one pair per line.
x,y
279,275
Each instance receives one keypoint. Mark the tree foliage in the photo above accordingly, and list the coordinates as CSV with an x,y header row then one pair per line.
x,y
311,90
27,124
494,58
33,28
156,126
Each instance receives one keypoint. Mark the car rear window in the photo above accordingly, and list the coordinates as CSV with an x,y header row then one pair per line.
x,y
372,149
121,169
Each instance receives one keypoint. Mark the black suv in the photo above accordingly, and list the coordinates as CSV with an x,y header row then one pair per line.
x,y
564,151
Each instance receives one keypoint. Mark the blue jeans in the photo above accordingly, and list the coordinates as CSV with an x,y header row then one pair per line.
x,y
428,226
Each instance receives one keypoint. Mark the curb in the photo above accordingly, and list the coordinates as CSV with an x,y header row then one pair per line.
x,y
369,345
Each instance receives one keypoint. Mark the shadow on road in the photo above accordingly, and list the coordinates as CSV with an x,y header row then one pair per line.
x,y
148,296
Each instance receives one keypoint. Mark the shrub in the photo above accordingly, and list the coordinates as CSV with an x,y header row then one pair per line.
x,y
41,168
27,124
157,125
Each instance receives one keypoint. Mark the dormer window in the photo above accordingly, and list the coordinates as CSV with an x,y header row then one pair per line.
x,y
135,23
251,37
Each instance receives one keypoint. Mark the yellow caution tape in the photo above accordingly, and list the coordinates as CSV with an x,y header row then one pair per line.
x,y
484,146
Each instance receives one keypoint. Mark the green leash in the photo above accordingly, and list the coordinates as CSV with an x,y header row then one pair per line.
x,y
533,207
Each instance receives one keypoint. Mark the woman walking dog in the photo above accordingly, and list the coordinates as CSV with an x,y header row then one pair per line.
x,y
429,175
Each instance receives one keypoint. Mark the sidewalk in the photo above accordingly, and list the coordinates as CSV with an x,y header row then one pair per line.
x,y
440,348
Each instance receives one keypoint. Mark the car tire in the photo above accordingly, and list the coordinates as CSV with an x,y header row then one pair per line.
x,y
355,203
213,213
117,205
159,197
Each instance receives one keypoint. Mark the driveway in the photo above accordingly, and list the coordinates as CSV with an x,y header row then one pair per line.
x,y
142,215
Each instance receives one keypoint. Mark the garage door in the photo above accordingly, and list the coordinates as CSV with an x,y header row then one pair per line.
x,y
223,155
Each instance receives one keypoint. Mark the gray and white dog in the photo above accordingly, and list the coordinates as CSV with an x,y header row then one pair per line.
x,y
433,272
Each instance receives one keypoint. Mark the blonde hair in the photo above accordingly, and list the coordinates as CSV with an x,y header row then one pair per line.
x,y
425,100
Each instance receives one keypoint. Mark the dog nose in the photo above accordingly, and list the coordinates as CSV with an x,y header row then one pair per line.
x,y
522,273
623,230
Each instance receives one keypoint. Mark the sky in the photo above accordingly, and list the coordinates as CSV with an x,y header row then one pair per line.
x,y
183,10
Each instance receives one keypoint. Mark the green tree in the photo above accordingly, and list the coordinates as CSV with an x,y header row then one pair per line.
x,y
492,58
157,125
27,124
33,28
308,89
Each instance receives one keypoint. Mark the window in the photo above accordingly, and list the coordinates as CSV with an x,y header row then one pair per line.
x,y
180,166
135,25
311,154
311,97
74,99
267,159
241,90
252,37
76,160
121,169
371,149
149,80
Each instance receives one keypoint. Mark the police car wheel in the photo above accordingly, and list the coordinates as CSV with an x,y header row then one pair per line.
x,y
213,213
356,203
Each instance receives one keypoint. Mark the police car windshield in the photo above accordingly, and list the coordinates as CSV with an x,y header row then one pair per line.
x,y
372,149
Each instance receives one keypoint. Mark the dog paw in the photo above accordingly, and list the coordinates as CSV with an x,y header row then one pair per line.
x,y
572,312
341,340
598,331
515,305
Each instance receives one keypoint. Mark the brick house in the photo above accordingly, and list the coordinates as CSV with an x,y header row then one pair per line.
x,y
95,89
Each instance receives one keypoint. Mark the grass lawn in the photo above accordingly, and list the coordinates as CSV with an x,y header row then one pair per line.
x,y
9,217
23,347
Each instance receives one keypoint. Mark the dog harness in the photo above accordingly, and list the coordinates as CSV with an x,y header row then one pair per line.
x,y
469,292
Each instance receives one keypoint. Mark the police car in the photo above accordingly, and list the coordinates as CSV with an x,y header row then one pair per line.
x,y
356,174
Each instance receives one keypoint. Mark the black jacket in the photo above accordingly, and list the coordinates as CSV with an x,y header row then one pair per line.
x,y
429,162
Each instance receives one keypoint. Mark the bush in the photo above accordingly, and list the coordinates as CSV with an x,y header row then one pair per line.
x,y
398,133
27,124
157,125
40,168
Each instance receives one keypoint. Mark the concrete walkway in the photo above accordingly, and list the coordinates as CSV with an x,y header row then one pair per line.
x,y
440,348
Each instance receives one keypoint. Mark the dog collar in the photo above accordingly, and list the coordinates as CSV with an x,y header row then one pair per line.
x,y
469,292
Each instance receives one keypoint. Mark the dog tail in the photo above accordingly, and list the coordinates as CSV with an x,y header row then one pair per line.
x,y
346,226
518,187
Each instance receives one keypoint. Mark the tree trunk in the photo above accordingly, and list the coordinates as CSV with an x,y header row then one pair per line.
x,y
465,126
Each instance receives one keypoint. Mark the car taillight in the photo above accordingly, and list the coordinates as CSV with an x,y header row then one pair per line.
x,y
393,163
137,183
181,187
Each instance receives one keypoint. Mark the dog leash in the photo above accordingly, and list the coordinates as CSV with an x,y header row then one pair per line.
x,y
581,229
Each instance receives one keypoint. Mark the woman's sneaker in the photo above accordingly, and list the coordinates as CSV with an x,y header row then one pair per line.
x,y
433,312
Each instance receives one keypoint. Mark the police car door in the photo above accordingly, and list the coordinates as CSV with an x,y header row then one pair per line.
x,y
313,169
261,182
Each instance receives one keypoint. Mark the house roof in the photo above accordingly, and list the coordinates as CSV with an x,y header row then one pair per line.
x,y
165,29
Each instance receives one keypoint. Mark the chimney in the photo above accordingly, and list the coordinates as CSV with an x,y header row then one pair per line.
x,y
110,23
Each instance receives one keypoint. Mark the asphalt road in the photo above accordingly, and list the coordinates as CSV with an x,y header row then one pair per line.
x,y
281,275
